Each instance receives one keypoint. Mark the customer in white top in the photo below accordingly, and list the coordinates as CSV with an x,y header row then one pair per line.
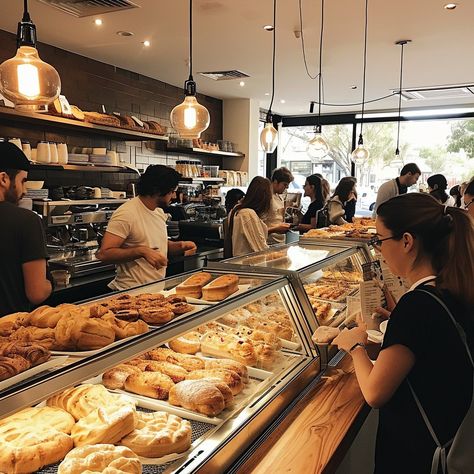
x,y
246,228
136,238
281,179
408,177
437,185
345,191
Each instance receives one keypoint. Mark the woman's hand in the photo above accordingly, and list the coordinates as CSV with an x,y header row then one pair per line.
x,y
349,337
391,303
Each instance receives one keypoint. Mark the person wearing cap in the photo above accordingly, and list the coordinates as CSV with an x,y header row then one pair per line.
x,y
23,278
136,238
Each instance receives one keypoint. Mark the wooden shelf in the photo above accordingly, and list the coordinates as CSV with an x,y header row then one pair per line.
x,y
12,115
199,151
84,167
201,180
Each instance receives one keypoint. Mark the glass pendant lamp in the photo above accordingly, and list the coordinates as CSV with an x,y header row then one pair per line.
x,y
190,118
361,153
269,135
26,80
317,147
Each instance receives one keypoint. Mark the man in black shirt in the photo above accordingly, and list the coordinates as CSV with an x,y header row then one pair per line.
x,y
23,281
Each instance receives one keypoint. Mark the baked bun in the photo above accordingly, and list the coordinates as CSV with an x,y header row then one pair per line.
x,y
150,384
229,364
229,377
101,459
181,307
13,365
115,378
104,425
45,317
158,434
189,343
188,362
125,328
175,372
192,286
233,347
12,322
158,315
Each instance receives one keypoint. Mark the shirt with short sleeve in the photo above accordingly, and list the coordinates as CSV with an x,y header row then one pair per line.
x,y
22,240
138,226
313,208
441,378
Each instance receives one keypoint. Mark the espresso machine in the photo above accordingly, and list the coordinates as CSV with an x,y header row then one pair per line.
x,y
74,230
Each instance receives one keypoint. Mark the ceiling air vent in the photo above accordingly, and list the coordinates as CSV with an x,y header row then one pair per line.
x,y
446,92
83,8
224,75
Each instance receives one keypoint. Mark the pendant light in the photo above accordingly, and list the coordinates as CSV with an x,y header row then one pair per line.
x,y
361,153
190,118
26,80
269,135
401,43
317,146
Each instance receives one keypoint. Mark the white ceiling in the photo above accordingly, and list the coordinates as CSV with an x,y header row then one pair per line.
x,y
228,34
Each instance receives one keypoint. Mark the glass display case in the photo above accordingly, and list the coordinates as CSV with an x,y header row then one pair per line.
x,y
225,366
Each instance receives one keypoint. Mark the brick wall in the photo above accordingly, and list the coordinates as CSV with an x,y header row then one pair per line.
x,y
89,84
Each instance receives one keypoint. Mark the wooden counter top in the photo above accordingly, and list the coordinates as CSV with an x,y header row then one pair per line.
x,y
317,433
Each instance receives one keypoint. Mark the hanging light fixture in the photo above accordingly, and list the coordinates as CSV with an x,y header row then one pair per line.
x,y
317,146
361,153
269,135
190,118
401,43
26,80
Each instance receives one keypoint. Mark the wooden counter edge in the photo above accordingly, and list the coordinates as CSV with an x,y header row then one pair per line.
x,y
318,432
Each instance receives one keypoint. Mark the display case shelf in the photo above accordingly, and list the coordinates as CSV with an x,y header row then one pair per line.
x,y
11,115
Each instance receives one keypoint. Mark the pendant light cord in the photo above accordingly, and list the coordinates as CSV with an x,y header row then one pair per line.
x,y
320,63
190,40
273,59
26,14
302,42
365,65
397,151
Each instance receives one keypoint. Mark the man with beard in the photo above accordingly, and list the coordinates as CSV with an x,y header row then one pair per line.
x,y
136,238
23,281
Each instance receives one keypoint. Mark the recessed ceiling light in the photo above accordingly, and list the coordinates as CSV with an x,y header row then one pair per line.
x,y
267,93
282,101
98,22
146,43
124,33
268,27
353,87
450,6
241,83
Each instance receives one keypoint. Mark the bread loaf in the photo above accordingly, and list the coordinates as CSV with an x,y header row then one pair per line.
x,y
188,362
158,434
175,372
221,288
101,458
203,396
229,377
186,344
193,285
150,384
104,425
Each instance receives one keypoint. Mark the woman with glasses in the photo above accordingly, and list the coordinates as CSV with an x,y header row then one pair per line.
x,y
432,247
468,198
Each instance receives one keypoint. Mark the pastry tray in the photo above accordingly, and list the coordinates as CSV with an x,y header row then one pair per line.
x,y
258,379
31,372
337,313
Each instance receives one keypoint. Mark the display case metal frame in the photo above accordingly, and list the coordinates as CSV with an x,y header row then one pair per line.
x,y
220,449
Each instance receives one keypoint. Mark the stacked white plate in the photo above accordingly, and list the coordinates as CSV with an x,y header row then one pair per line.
x,y
101,160
37,193
78,158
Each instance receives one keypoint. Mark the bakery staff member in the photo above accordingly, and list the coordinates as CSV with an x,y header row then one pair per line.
x,y
136,238
23,281
275,218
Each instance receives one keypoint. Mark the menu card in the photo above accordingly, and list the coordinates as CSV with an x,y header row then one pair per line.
x,y
371,293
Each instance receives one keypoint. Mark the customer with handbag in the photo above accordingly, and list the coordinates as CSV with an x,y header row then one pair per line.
x,y
422,380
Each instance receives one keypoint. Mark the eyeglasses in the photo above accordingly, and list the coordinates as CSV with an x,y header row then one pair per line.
x,y
377,243
466,206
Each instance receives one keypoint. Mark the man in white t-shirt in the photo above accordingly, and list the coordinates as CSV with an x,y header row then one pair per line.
x,y
275,219
136,238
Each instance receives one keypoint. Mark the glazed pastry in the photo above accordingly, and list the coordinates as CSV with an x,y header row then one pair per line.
x,y
230,346
127,314
13,365
175,372
181,308
34,353
188,362
104,425
193,285
156,315
158,434
229,364
150,384
174,299
115,378
101,458
43,336
186,344
229,377
125,329
221,288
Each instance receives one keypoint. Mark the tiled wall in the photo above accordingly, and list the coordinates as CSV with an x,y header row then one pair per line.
x,y
89,84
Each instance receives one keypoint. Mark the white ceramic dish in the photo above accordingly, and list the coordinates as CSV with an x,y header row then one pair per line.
x,y
383,326
34,185
375,336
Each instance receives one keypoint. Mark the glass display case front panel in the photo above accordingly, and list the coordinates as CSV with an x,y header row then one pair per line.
x,y
293,257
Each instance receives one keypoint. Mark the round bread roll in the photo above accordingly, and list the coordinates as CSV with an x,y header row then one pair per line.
x,y
151,384
40,418
27,448
101,459
158,434
189,343
181,308
115,378
104,425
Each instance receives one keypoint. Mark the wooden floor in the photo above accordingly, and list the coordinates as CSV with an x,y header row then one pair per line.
x,y
318,432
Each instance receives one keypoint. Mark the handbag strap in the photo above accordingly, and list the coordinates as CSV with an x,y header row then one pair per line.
x,y
440,452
